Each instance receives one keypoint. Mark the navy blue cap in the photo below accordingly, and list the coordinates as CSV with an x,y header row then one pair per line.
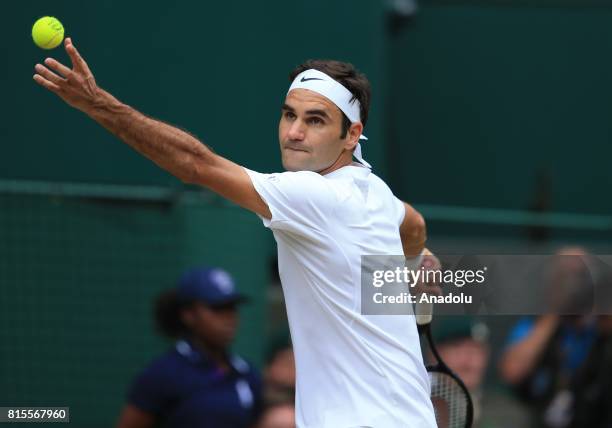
x,y
212,286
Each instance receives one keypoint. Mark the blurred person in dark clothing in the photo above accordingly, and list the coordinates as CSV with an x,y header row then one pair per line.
x,y
544,355
199,383
593,383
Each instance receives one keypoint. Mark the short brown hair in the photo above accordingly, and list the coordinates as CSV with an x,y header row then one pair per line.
x,y
347,75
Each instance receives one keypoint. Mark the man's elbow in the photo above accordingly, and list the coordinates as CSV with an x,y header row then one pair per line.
x,y
413,232
415,229
420,227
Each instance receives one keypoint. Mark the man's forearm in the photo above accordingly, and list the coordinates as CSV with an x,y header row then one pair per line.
x,y
414,245
174,150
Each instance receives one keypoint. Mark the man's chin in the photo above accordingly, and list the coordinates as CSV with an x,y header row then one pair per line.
x,y
292,166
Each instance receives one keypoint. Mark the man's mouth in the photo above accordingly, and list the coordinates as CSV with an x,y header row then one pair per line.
x,y
295,149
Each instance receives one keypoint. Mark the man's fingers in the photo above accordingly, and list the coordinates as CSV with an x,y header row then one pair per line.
x,y
49,75
58,67
431,262
45,83
434,289
75,57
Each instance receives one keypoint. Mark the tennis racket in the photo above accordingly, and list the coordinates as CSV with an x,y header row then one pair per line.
x,y
451,400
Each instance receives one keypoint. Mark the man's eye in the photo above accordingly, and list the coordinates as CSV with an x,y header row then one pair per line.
x,y
315,121
289,115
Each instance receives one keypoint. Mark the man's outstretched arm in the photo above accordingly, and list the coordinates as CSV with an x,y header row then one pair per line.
x,y
173,149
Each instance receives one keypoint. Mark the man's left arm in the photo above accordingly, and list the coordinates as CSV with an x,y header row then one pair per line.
x,y
413,232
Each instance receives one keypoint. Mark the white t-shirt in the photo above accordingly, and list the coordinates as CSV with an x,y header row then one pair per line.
x,y
353,370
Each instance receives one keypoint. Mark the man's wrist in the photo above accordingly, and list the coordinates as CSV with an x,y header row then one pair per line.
x,y
104,107
414,261
101,101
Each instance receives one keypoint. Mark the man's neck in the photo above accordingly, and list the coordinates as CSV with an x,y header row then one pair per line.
x,y
345,159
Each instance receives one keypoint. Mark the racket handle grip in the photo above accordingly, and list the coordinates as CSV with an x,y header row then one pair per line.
x,y
423,312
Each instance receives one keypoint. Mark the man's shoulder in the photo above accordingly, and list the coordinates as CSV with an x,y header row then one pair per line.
x,y
379,182
296,185
296,176
305,176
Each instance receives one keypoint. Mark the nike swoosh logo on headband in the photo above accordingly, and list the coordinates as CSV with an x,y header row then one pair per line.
x,y
304,79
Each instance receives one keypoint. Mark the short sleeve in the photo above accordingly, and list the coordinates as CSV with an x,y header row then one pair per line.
x,y
149,393
299,201
400,210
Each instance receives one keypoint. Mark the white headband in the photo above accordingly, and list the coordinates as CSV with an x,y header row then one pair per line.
x,y
323,84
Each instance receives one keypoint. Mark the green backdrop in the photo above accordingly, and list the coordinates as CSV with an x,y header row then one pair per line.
x,y
503,104
77,281
472,102
219,70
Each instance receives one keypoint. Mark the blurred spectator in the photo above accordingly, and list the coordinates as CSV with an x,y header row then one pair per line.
x,y
278,415
593,383
279,373
198,383
463,344
544,354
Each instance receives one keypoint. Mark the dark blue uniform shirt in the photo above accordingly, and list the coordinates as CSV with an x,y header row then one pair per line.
x,y
185,389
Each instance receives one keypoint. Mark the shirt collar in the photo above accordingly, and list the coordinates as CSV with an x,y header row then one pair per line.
x,y
354,169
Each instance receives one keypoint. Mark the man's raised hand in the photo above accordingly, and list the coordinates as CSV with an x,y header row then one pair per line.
x,y
429,262
76,86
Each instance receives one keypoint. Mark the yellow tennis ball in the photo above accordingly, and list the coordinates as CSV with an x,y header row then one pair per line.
x,y
47,32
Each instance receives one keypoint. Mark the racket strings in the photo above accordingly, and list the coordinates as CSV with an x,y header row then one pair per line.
x,y
449,400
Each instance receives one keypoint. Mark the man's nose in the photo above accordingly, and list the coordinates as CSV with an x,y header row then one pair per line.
x,y
296,131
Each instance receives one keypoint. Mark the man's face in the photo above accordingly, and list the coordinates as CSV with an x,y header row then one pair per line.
x,y
309,132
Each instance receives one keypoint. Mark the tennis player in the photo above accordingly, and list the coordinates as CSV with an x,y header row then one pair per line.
x,y
325,212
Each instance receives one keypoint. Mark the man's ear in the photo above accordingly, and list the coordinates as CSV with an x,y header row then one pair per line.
x,y
353,134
